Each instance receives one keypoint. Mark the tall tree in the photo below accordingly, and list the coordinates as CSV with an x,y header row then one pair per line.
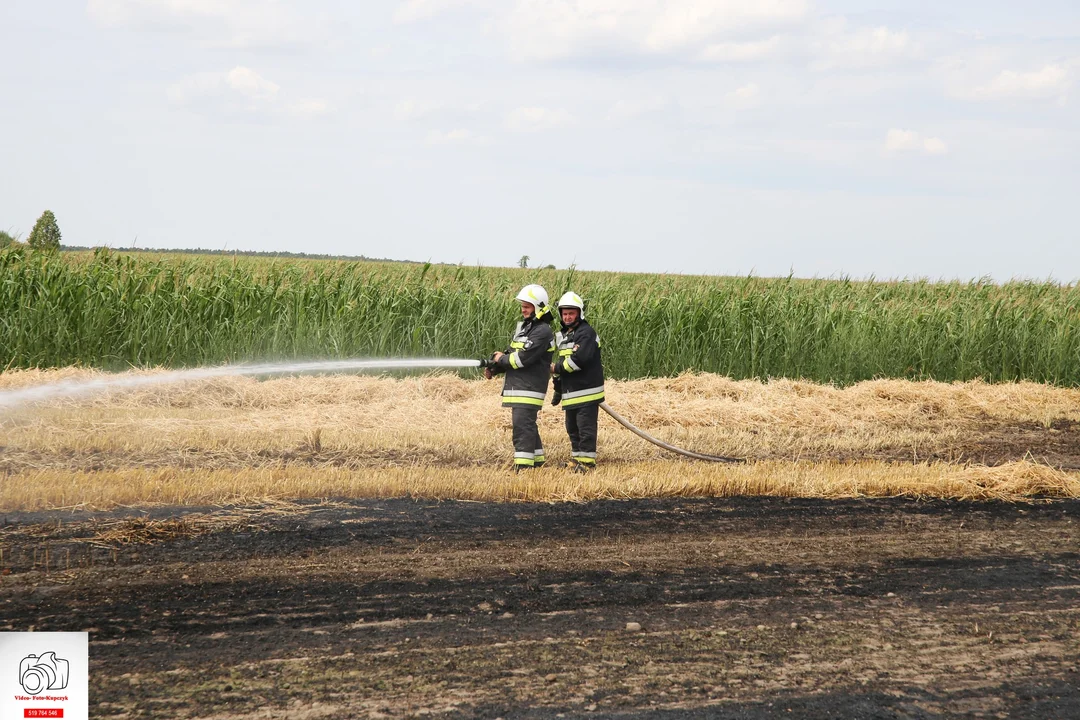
x,y
46,233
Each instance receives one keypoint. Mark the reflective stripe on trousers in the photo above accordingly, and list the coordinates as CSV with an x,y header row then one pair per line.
x,y
528,450
581,426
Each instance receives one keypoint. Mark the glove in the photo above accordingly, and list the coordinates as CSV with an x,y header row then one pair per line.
x,y
556,385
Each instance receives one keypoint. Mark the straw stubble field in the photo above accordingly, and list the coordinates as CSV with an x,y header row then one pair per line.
x,y
314,547
444,437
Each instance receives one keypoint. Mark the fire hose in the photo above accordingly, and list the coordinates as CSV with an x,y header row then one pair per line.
x,y
666,446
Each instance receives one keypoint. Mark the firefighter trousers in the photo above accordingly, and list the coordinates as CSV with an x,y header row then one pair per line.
x,y
581,427
528,450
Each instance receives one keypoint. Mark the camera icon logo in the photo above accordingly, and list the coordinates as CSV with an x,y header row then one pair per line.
x,y
38,673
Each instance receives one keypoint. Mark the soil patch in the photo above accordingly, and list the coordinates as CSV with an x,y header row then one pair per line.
x,y
748,608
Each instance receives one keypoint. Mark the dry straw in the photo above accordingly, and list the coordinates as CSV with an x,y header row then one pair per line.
x,y
168,486
441,436
365,422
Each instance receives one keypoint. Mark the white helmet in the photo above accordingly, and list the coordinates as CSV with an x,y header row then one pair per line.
x,y
573,300
536,295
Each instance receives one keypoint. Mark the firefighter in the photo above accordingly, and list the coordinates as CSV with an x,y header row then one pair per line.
x,y
579,378
526,364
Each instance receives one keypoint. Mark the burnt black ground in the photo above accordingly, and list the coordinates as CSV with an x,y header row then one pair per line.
x,y
749,607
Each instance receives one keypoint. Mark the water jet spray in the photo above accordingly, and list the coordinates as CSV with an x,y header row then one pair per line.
x,y
10,399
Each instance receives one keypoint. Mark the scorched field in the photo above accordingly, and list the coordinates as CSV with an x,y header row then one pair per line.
x,y
333,547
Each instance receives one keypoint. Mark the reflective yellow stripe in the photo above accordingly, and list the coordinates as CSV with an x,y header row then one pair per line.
x,y
515,361
517,345
568,351
582,399
509,400
566,365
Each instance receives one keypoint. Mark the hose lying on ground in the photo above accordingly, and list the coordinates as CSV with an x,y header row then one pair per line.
x,y
660,443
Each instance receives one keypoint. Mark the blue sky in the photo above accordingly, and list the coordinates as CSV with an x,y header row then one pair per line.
x,y
893,139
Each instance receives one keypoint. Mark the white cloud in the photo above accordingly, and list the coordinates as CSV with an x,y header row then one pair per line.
x,y
458,136
239,86
251,84
418,10
901,141
745,97
1052,81
677,23
218,23
741,52
240,90
435,113
935,146
309,108
711,31
989,72
532,119
834,44
409,110
626,109
551,29
876,41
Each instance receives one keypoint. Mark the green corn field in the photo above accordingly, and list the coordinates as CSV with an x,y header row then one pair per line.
x,y
111,310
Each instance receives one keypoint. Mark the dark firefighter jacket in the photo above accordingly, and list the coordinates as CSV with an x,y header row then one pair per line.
x,y
526,364
581,375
